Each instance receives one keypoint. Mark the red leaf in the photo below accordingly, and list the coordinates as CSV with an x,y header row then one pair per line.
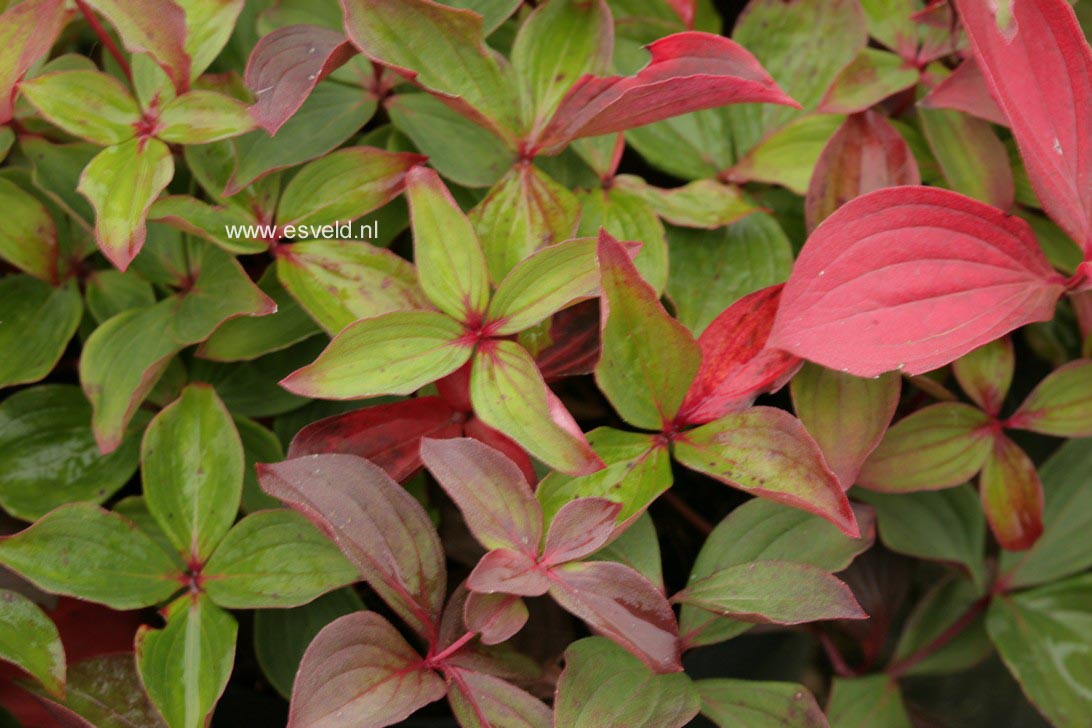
x,y
455,389
359,671
389,435
1039,69
736,364
496,502
286,65
155,27
507,446
27,31
619,603
685,9
481,700
864,155
688,72
575,348
911,278
966,90
379,526
504,571
496,617
1012,496
580,528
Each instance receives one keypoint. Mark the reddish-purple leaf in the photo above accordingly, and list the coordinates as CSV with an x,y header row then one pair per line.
x,y
685,9
912,278
286,65
27,32
389,435
1038,66
574,343
507,446
375,522
865,154
736,364
966,90
494,497
1061,404
1012,495
480,700
496,617
503,571
688,72
155,27
359,671
985,374
619,603
580,528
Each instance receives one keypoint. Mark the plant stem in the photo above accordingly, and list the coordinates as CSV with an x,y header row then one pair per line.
x,y
899,668
837,661
107,41
451,649
689,514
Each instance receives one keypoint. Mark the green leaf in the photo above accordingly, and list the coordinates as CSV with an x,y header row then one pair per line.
x,y
509,394
934,448
788,156
274,559
28,235
57,169
1061,405
1067,518
106,691
83,551
544,283
49,456
458,63
598,673
259,446
121,183
846,415
135,508
339,282
200,117
526,210
627,217
986,373
1042,636
330,115
638,548
29,639
87,104
711,270
866,702
186,665
494,12
706,203
449,258
159,33
110,292
972,158
873,76
405,351
220,225
693,146
462,151
343,185
649,359
558,44
38,321
944,525
731,703
193,472
281,635
638,471
937,611
209,24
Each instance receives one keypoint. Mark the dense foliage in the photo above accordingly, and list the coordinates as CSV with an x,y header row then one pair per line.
x,y
375,354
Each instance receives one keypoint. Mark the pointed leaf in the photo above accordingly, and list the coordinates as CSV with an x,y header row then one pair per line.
x,y
597,672
619,603
200,117
972,275
496,502
510,395
83,551
446,250
767,452
339,282
788,156
965,90
986,373
38,321
375,522
625,215
480,700
1061,405
873,76
193,471
866,154
29,639
941,608
972,158
1012,495
649,358
846,415
496,617
155,27
405,351
736,365
287,64
688,72
705,203
1046,98
361,671
121,183
228,227
936,447
27,32
580,528
504,571
867,701
28,235
740,702
87,104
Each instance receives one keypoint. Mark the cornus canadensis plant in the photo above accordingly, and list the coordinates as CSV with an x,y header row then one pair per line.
x,y
571,363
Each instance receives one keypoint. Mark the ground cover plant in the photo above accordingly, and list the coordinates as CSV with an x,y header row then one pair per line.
x,y
575,363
